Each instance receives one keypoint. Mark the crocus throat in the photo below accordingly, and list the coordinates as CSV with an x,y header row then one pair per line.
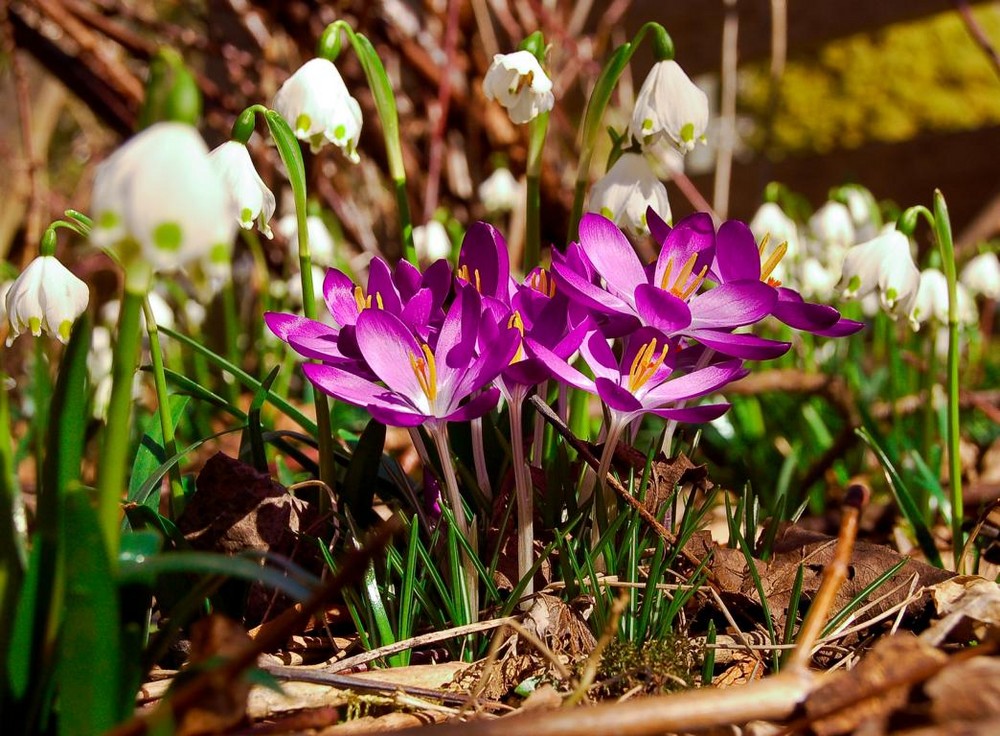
x,y
684,285
425,370
365,302
645,364
516,321
768,266
542,282
463,273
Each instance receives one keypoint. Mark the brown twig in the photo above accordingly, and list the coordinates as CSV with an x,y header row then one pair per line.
x,y
978,34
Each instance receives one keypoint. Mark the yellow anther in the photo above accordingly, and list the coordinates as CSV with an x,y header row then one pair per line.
x,y
378,300
684,286
543,282
425,370
361,300
463,273
516,321
763,243
772,261
645,364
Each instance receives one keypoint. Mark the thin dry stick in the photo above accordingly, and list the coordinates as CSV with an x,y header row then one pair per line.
x,y
413,642
978,34
727,119
436,155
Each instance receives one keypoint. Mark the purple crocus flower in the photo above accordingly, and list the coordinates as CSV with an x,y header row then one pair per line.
x,y
738,258
666,297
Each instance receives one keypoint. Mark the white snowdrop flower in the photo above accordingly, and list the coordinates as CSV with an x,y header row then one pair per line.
x,y
832,225
431,241
45,297
816,281
101,357
870,305
293,287
518,82
932,300
625,193
159,201
315,102
664,159
163,313
251,198
670,106
770,220
499,192
194,313
981,275
884,264
4,288
322,247
862,206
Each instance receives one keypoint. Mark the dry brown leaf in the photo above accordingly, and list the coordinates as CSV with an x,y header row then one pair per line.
x,y
383,724
968,607
744,668
864,696
966,691
665,474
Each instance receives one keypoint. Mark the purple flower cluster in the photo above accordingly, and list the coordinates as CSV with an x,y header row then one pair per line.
x,y
443,344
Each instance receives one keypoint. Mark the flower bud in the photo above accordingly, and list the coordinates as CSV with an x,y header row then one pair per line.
x,y
883,263
315,103
518,82
832,225
981,275
160,203
625,193
431,241
670,106
932,300
322,247
770,220
45,297
251,198
499,191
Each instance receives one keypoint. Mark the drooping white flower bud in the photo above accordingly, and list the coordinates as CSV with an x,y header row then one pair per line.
x,y
886,264
251,198
518,82
670,106
832,225
315,103
322,247
431,241
163,313
981,275
932,300
816,281
45,297
159,202
499,191
770,220
627,191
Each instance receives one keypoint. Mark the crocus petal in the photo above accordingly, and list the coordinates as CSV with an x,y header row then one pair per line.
x,y
795,312
612,255
842,328
693,414
477,407
343,385
590,295
695,384
489,365
484,255
747,347
616,397
561,369
736,252
596,351
457,340
661,309
307,337
733,304
338,294
380,284
657,227
695,234
389,348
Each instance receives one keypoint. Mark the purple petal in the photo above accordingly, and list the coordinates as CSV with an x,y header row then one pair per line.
x,y
588,294
485,251
695,234
596,351
477,407
389,347
616,397
407,278
733,304
736,254
613,256
560,368
437,277
842,328
657,227
694,414
661,309
456,343
695,384
338,293
380,284
308,337
795,312
527,372
739,345
487,366
385,406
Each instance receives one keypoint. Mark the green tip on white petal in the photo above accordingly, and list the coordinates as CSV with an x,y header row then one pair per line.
x,y
246,218
167,236
339,132
687,133
65,328
607,213
647,124
854,284
219,253
108,220
303,123
35,325
891,295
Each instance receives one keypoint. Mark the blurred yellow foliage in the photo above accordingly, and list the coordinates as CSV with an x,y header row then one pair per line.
x,y
888,85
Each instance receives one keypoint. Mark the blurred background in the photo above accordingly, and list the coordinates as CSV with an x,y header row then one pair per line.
x,y
900,95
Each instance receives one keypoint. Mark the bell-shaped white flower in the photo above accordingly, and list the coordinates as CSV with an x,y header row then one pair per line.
x,y
251,198
832,225
816,281
625,193
863,208
158,200
670,106
981,275
45,297
322,247
518,82
431,241
770,220
315,102
163,313
885,264
932,300
499,191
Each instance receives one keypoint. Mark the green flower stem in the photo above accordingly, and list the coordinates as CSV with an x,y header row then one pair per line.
x,y
231,324
942,231
291,156
385,104
533,227
439,431
930,416
162,400
598,103
116,441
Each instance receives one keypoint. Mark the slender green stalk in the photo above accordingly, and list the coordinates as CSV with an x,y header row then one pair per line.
x,y
930,380
231,323
439,431
942,230
162,400
533,231
385,104
115,444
